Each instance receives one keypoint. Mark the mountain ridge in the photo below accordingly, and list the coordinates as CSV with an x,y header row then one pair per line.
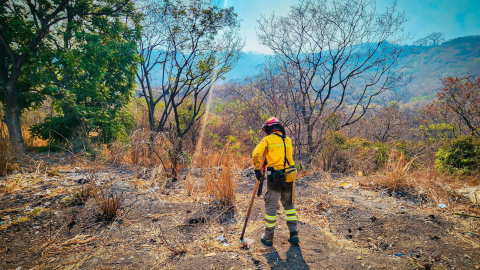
x,y
457,57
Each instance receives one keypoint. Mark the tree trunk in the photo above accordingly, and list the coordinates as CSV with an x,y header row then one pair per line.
x,y
310,144
12,118
153,130
151,143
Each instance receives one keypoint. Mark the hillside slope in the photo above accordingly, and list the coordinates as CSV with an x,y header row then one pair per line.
x,y
457,57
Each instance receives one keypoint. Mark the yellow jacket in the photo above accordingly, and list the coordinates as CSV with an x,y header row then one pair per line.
x,y
275,152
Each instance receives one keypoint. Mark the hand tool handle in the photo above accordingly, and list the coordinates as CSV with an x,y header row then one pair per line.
x,y
249,209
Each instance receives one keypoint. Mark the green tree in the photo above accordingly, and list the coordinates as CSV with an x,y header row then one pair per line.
x,y
93,67
24,26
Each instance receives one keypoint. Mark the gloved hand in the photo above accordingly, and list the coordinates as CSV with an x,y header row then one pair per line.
x,y
258,174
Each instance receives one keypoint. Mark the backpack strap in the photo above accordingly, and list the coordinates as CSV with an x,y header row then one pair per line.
x,y
285,161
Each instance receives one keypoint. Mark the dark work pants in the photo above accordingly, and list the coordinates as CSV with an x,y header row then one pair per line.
x,y
271,206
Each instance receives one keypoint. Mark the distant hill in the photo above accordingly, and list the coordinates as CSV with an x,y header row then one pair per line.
x,y
457,57
248,65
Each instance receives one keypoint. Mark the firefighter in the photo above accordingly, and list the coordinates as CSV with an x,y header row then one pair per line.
x,y
278,150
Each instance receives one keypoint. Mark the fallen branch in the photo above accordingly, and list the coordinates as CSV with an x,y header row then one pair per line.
x,y
157,216
466,215
70,242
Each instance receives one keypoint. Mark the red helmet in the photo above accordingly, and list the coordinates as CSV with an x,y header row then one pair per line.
x,y
270,122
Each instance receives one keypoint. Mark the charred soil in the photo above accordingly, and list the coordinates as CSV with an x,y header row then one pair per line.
x,y
48,224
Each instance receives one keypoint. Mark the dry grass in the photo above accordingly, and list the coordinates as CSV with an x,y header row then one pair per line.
x,y
396,172
221,185
10,185
218,168
175,249
422,182
32,143
7,157
107,198
146,149
82,195
189,184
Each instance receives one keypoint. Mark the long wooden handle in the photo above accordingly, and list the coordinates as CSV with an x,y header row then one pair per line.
x,y
249,209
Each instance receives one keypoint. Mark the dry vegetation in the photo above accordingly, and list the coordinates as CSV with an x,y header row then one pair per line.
x,y
190,221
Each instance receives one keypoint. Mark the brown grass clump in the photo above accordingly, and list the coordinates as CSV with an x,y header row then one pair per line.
x,y
82,195
396,175
218,169
424,182
221,186
108,201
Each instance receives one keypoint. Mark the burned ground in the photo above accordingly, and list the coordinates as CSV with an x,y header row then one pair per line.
x,y
46,226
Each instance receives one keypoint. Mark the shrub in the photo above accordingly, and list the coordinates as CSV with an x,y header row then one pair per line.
x,y
397,168
221,185
108,201
462,157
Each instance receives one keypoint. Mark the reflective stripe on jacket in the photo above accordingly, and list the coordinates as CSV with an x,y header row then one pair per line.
x,y
275,152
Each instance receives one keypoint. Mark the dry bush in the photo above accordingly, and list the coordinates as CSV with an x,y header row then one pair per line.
x,y
218,173
220,184
332,159
148,149
429,183
31,142
226,156
396,172
7,160
424,183
107,199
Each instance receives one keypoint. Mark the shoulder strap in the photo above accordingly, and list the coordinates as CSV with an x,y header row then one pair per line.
x,y
285,161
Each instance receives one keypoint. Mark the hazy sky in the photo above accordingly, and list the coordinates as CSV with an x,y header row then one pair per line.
x,y
455,18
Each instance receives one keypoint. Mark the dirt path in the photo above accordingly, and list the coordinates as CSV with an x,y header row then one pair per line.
x,y
339,229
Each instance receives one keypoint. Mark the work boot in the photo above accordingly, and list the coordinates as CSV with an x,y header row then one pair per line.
x,y
266,242
294,238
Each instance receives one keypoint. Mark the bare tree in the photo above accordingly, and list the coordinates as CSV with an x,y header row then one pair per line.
x,y
421,42
184,50
436,37
461,97
269,93
342,55
387,123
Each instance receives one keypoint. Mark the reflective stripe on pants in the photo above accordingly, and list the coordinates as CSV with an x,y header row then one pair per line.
x,y
271,206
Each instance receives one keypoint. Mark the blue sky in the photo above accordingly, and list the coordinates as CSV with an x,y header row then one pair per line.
x,y
455,18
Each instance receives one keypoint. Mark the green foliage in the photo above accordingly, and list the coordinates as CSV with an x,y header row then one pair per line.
x,y
462,157
234,144
382,153
19,30
91,79
186,114
438,127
